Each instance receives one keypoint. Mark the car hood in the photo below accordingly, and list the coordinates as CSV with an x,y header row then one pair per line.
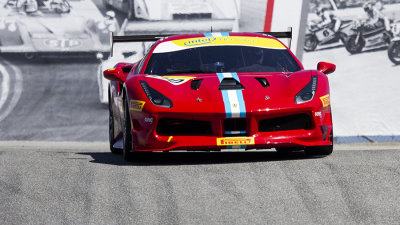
x,y
279,92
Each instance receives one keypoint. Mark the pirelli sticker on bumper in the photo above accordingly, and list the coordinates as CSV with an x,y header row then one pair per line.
x,y
325,100
235,141
136,105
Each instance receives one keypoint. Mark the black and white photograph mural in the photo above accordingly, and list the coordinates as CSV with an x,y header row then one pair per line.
x,y
56,166
362,38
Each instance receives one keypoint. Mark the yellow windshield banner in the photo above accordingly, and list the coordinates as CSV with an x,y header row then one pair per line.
x,y
230,40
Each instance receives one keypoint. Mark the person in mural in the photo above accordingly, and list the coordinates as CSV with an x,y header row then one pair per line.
x,y
328,19
375,18
29,7
110,21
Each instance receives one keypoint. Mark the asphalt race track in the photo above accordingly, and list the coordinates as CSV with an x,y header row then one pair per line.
x,y
51,100
55,168
83,183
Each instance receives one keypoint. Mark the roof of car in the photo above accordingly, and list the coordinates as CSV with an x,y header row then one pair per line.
x,y
187,41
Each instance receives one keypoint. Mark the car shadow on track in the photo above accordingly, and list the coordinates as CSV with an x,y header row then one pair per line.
x,y
195,158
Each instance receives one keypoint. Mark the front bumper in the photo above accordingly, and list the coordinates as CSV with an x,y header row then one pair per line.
x,y
147,136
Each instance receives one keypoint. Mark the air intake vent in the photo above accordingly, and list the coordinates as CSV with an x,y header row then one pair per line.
x,y
167,126
262,81
195,85
293,122
230,84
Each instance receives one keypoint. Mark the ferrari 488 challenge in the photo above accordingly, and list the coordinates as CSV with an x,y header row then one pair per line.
x,y
218,91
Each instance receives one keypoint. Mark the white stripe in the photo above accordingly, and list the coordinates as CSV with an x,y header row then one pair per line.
x,y
227,75
216,34
16,92
233,99
5,84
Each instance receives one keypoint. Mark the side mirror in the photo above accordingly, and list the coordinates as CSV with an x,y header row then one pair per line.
x,y
326,68
115,74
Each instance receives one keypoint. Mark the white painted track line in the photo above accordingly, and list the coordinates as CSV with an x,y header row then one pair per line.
x,y
16,93
5,85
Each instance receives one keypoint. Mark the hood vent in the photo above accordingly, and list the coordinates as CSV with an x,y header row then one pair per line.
x,y
263,81
195,84
230,84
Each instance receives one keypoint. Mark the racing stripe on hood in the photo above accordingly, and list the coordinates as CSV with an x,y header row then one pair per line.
x,y
233,99
219,34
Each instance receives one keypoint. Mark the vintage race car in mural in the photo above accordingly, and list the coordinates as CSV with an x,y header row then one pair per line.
x,y
218,91
54,28
177,16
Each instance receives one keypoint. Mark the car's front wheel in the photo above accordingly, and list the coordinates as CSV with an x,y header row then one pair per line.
x,y
126,134
319,150
111,129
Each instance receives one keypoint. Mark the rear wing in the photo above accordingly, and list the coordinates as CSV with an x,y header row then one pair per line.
x,y
143,38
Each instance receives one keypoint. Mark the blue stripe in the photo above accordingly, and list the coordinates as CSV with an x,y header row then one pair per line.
x,y
225,97
220,77
239,94
224,34
208,34
243,146
235,132
227,104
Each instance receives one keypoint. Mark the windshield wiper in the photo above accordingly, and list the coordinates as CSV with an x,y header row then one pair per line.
x,y
189,71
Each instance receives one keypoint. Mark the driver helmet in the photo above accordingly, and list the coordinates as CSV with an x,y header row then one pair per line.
x,y
368,7
110,14
320,10
255,56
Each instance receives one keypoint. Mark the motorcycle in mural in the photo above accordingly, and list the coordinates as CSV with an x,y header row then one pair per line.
x,y
362,35
394,47
317,35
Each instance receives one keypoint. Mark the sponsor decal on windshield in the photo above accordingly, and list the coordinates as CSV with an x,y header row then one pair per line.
x,y
209,40
230,40
235,141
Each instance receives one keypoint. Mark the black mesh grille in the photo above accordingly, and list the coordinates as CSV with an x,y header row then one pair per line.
x,y
293,122
235,124
235,127
183,127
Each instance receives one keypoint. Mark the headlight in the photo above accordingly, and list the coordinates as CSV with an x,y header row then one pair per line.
x,y
308,92
156,97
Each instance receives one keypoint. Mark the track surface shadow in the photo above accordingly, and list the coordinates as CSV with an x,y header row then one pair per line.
x,y
194,158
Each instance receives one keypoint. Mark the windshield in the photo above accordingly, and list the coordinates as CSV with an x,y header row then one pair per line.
x,y
218,59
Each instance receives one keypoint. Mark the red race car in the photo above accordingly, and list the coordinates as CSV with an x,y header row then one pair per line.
x,y
216,91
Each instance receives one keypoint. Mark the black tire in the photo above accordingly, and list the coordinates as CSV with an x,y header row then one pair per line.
x,y
111,129
319,150
394,52
352,47
310,43
126,134
131,10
